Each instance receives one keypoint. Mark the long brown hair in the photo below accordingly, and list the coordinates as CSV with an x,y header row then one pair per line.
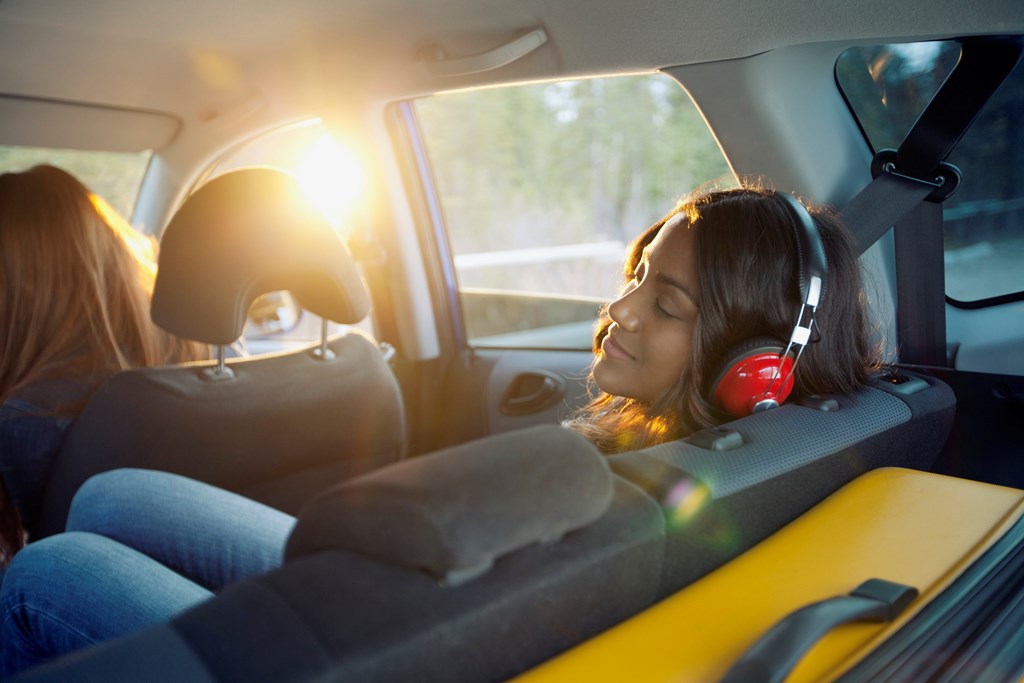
x,y
75,282
747,276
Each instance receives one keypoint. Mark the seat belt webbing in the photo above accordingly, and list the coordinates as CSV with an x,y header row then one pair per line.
x,y
920,273
897,200
881,205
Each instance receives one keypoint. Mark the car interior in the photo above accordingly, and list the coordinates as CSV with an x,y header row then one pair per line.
x,y
394,224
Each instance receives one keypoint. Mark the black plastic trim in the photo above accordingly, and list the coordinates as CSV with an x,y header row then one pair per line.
x,y
969,632
985,303
779,650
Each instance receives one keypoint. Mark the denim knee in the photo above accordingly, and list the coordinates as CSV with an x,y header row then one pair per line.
x,y
108,496
75,589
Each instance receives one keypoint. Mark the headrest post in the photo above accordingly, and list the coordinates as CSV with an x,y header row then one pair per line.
x,y
220,371
322,352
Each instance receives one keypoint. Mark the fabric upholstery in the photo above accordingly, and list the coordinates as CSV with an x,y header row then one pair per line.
x,y
264,433
362,620
243,234
157,655
749,492
455,511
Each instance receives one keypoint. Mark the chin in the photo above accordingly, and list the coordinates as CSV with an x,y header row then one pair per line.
x,y
601,379
609,386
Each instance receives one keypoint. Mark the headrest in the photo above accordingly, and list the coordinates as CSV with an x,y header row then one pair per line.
x,y
453,512
241,235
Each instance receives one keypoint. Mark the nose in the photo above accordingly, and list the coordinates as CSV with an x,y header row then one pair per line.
x,y
622,311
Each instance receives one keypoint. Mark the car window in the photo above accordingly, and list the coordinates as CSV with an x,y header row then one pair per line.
x,y
542,187
887,87
333,180
115,176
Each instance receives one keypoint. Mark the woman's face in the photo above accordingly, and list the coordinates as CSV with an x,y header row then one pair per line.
x,y
647,347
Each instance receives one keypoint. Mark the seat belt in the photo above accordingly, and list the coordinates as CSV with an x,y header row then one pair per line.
x,y
909,187
913,207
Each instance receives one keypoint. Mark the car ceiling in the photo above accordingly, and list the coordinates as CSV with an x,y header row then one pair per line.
x,y
197,59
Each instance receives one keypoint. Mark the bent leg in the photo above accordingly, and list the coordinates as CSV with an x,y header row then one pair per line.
x,y
76,589
209,535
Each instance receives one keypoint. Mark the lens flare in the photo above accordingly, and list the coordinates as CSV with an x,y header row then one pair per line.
x,y
684,500
332,178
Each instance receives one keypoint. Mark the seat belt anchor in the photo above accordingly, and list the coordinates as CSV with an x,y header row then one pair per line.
x,y
945,177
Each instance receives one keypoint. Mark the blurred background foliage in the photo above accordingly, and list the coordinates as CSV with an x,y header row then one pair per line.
x,y
568,162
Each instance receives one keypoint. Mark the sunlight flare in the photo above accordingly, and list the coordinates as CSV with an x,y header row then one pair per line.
x,y
332,177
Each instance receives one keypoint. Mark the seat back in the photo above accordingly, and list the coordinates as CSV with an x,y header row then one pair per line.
x,y
277,428
471,564
727,489
367,589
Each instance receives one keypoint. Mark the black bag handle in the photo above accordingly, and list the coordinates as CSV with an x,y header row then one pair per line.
x,y
774,655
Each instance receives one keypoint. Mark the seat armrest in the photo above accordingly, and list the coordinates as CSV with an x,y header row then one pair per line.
x,y
453,512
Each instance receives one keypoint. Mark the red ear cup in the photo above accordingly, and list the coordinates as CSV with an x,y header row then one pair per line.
x,y
748,373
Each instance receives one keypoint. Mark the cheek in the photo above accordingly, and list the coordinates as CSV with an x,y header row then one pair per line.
x,y
671,357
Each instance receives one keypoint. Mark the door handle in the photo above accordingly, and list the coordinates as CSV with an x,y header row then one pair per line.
x,y
532,392
774,655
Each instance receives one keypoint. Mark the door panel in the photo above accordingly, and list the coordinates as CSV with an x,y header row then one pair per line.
x,y
514,377
487,391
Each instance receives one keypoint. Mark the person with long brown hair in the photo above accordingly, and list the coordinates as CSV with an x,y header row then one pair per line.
x,y
722,268
75,286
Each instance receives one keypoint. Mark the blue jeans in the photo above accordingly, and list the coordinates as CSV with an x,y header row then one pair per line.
x,y
141,546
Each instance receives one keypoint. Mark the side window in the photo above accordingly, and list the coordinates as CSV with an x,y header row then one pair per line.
x,y
333,180
887,87
543,186
115,176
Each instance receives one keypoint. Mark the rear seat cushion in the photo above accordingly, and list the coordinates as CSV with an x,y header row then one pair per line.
x,y
454,511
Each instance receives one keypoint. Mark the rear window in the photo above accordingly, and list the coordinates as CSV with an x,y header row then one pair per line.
x,y
887,87
115,176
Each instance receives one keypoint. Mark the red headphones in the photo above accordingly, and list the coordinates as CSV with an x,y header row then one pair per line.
x,y
757,375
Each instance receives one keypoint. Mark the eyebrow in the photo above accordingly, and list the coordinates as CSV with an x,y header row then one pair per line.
x,y
665,279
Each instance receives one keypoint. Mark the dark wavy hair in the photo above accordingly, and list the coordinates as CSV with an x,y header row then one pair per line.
x,y
747,287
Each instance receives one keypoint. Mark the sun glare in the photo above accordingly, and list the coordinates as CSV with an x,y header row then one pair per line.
x,y
332,177
142,247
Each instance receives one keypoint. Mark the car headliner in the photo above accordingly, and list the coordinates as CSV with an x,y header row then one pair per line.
x,y
196,59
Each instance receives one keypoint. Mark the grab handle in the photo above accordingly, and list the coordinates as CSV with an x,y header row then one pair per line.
x,y
774,655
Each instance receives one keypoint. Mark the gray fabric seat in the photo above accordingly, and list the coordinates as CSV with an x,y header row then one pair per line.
x,y
349,605
568,550
725,490
281,427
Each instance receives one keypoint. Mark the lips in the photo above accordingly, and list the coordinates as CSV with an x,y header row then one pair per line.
x,y
613,349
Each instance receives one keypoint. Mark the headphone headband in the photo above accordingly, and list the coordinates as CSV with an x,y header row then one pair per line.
x,y
811,258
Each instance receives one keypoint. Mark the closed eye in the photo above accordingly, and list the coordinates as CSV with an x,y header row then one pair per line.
x,y
661,311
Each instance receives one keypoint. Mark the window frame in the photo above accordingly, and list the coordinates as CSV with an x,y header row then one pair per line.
x,y
985,302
